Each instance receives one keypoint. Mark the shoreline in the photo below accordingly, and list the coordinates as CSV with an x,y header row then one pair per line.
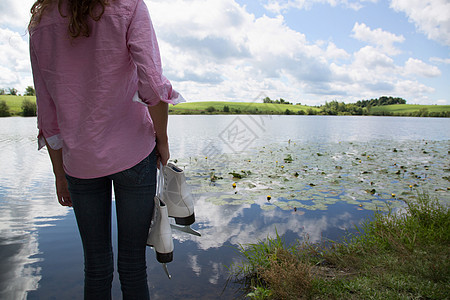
x,y
14,106
399,254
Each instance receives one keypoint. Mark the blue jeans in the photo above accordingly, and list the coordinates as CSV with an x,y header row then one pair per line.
x,y
134,190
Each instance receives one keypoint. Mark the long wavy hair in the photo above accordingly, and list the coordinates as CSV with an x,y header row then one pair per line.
x,y
78,13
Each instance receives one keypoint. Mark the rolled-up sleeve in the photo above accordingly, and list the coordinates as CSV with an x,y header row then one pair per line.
x,y
46,111
153,86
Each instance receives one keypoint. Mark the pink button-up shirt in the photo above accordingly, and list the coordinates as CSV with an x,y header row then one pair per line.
x,y
85,88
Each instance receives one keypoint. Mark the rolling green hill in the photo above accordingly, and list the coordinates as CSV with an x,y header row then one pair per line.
x,y
410,108
222,107
15,103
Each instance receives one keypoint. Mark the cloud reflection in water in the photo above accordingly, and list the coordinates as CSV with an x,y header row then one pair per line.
x,y
27,202
28,206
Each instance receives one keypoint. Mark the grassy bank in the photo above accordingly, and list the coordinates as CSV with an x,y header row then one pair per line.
x,y
223,107
14,103
405,109
399,255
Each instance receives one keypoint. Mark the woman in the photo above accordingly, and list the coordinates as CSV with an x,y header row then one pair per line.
x,y
90,60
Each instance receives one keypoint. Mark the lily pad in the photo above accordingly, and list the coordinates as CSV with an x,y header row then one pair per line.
x,y
351,172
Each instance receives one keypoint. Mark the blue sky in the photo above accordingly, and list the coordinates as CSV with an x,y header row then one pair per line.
x,y
307,51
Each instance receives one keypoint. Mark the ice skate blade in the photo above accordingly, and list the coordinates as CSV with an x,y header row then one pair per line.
x,y
186,229
166,270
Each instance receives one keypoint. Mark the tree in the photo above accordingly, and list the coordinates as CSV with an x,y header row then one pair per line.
x,y
28,108
30,91
267,100
210,109
278,101
226,108
4,109
383,100
2,91
310,112
333,108
12,91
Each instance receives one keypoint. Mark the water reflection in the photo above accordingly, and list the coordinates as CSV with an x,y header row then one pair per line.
x,y
16,276
24,197
201,135
203,260
232,224
40,250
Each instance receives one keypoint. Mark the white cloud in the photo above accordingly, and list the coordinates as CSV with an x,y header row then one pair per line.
x,y
418,67
372,73
369,74
335,53
415,90
265,55
372,63
220,46
440,60
279,6
218,50
15,69
432,17
15,13
382,39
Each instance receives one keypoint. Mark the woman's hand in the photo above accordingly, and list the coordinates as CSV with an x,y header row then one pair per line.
x,y
62,191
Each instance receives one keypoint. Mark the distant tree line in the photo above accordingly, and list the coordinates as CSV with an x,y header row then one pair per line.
x,y
281,101
8,91
360,108
340,108
29,91
380,101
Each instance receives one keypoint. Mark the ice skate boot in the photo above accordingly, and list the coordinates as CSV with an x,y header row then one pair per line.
x,y
179,200
160,235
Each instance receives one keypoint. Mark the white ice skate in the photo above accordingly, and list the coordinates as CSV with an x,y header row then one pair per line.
x,y
178,198
160,234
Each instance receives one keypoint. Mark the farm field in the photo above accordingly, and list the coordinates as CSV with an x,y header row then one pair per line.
x,y
409,108
219,107
14,104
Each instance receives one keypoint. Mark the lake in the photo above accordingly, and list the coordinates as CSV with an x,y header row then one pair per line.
x,y
324,175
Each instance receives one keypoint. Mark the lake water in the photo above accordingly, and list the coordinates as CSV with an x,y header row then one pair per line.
x,y
324,175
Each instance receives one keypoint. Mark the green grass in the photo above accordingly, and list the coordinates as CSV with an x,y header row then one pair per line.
x,y
409,108
398,255
15,103
217,107
412,110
